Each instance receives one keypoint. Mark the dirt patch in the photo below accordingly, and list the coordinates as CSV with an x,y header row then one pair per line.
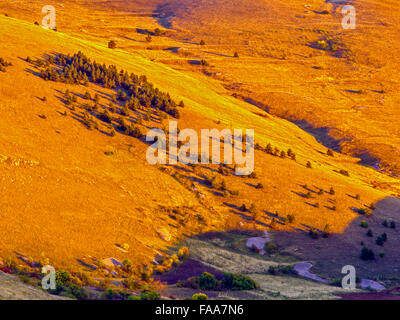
x,y
11,288
366,283
189,268
303,269
258,242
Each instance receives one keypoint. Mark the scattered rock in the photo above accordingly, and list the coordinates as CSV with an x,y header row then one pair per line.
x,y
164,234
303,269
366,283
111,262
258,243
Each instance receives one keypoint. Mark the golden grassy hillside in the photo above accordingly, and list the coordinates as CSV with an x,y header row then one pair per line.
x,y
64,197
345,101
345,96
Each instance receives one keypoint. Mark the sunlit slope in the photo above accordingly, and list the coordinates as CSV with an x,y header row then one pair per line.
x,y
354,97
61,195
64,197
351,93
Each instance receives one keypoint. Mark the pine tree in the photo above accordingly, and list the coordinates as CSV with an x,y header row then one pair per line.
x,y
112,44
87,96
269,149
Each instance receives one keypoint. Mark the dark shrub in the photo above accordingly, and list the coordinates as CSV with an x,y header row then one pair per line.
x,y
194,282
134,131
62,277
327,231
232,281
199,296
269,149
87,96
157,32
290,218
379,241
77,292
270,247
105,116
287,269
364,211
150,295
364,224
207,281
112,44
313,233
272,270
367,254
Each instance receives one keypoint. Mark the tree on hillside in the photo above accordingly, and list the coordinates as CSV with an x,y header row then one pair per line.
x,y
112,44
157,32
87,96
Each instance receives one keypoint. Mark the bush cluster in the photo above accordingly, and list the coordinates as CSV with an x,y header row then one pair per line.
x,y
65,286
287,269
134,90
230,281
274,151
146,295
367,254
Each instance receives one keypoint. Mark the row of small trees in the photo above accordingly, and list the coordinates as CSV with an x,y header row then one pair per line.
x,y
274,151
133,89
